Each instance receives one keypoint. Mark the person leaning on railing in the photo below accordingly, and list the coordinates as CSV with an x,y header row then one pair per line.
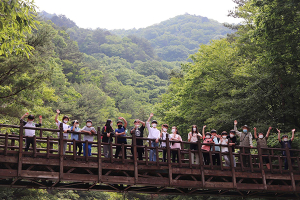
x,y
66,128
175,145
88,136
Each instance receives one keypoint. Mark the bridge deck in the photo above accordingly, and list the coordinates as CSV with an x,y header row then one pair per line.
x,y
46,167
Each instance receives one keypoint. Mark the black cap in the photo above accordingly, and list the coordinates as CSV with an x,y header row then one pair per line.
x,y
75,122
30,116
232,131
154,121
89,121
119,121
224,133
207,133
213,131
284,136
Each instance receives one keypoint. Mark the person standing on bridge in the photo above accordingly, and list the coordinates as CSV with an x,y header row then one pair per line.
x,y
163,136
107,132
175,145
245,141
29,133
139,133
262,143
215,149
66,128
121,133
75,136
206,148
285,142
193,137
154,133
88,136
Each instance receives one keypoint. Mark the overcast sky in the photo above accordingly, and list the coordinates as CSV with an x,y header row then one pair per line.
x,y
127,14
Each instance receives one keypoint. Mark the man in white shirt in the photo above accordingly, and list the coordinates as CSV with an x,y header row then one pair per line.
x,y
154,133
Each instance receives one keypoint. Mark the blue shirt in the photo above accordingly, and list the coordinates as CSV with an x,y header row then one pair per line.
x,y
217,148
120,138
75,135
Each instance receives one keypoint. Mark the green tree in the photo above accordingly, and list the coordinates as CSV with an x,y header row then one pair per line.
x,y
17,19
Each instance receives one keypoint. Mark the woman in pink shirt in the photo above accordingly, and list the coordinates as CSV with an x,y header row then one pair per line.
x,y
175,146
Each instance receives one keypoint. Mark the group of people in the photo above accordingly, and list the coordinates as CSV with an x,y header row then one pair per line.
x,y
158,138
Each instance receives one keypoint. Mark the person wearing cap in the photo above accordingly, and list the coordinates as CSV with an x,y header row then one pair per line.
x,y
262,143
245,141
89,133
193,138
139,133
120,132
29,133
232,142
215,149
75,136
285,142
107,133
66,128
163,136
206,148
224,141
154,133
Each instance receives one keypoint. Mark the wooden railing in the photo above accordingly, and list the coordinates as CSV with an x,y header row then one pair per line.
x,y
98,169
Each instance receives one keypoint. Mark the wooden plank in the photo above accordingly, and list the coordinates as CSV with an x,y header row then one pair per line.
x,y
136,172
8,173
40,174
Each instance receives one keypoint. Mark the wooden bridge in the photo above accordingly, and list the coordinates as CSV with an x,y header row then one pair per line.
x,y
44,166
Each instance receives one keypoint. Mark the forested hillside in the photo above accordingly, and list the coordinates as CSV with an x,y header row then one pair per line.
x,y
171,40
175,39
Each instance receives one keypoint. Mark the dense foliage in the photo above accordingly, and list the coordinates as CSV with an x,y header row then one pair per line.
x,y
251,76
176,38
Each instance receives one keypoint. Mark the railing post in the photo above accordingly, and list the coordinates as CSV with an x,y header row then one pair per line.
x,y
290,166
61,154
48,146
232,166
99,155
86,150
20,148
135,158
74,150
201,161
6,144
34,146
169,159
261,166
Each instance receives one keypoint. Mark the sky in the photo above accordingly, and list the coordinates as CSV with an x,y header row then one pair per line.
x,y
128,14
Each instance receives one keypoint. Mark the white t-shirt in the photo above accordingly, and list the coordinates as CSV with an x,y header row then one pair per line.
x,y
164,137
29,132
65,127
224,142
154,133
87,137
176,145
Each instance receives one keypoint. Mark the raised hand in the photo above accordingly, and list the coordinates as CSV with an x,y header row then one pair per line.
x,y
151,115
40,117
204,126
254,128
26,114
270,128
57,111
235,122
278,130
293,130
